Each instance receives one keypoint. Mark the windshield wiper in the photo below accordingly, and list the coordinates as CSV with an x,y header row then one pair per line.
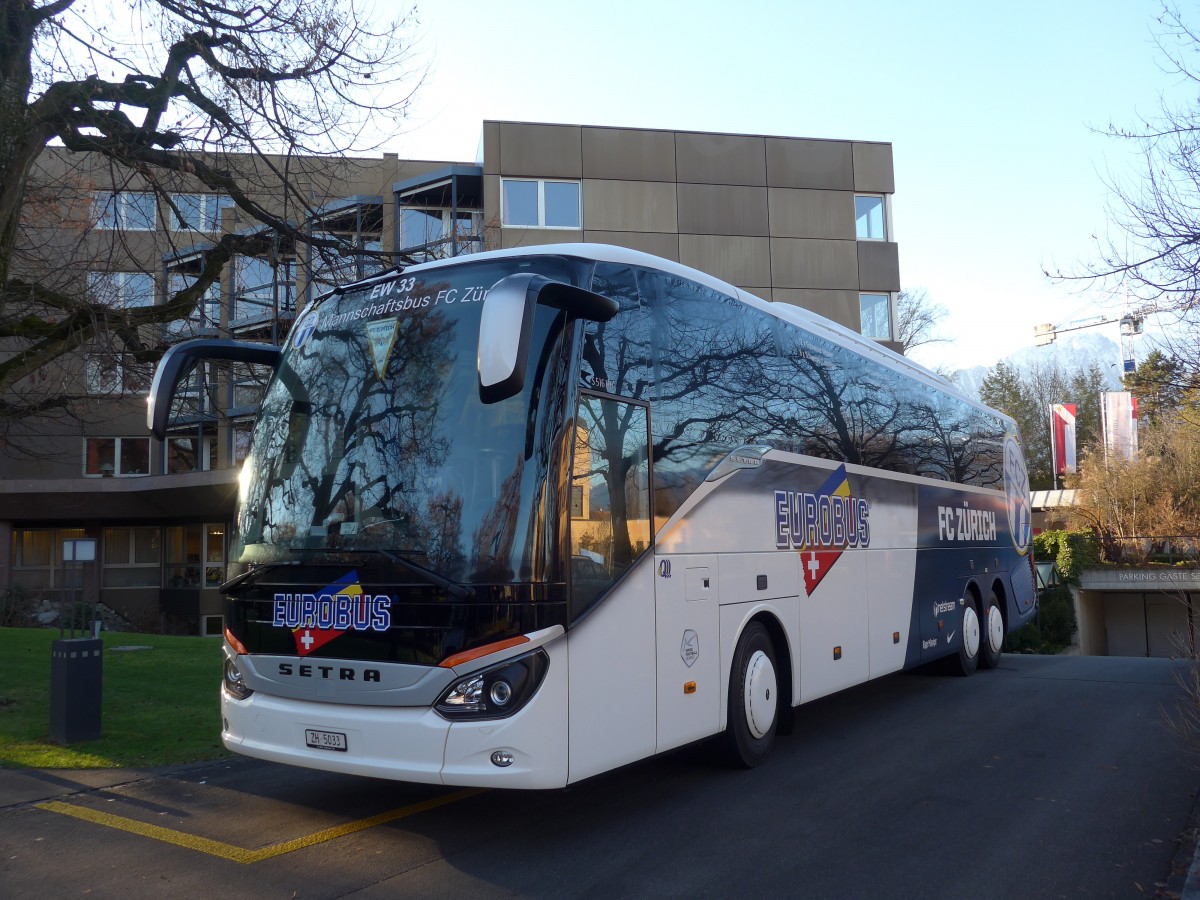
x,y
453,588
255,569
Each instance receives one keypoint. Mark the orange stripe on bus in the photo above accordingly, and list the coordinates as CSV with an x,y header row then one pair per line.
x,y
467,655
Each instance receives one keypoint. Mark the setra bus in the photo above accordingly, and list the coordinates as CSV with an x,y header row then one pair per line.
x,y
518,518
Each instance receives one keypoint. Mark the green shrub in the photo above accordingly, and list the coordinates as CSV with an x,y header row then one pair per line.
x,y
16,607
1053,628
1073,551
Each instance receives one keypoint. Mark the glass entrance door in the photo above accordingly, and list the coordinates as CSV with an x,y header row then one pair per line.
x,y
610,495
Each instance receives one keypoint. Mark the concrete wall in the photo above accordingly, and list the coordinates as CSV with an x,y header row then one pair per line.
x,y
1151,611
772,215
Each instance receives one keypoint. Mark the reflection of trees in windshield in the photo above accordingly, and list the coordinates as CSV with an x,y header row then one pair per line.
x,y
355,465
492,542
721,374
413,463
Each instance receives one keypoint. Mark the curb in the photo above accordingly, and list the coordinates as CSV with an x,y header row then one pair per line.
x,y
21,787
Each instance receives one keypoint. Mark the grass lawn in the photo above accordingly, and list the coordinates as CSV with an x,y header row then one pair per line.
x,y
159,706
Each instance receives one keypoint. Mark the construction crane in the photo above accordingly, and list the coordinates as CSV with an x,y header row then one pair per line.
x,y
1132,324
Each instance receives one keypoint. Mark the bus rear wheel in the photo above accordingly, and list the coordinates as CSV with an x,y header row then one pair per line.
x,y
992,643
967,659
753,699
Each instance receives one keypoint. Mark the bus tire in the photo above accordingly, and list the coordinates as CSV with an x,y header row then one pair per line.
x,y
967,659
753,699
991,643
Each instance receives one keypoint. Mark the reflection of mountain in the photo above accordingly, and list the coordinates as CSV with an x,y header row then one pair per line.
x,y
1070,353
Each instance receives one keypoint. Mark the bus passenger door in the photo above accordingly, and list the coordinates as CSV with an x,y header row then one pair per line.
x,y
687,625
612,695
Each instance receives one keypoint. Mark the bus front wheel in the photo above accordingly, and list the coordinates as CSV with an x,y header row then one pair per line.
x,y
753,699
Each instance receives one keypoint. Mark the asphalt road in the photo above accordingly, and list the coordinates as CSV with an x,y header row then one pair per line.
x,y
1050,777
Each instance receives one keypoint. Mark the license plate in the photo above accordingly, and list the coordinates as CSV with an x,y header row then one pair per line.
x,y
325,740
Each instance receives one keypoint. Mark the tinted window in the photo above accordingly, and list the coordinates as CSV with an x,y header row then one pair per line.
x,y
721,374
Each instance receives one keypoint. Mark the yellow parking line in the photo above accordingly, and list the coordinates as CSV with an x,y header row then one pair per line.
x,y
240,854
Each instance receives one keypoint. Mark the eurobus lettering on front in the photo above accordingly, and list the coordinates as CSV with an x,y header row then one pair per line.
x,y
470,480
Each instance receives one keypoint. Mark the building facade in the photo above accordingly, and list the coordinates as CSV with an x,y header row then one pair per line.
x,y
792,220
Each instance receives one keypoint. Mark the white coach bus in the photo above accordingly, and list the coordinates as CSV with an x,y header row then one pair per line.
x,y
517,518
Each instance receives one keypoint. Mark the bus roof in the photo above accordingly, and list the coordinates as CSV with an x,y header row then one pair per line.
x,y
794,315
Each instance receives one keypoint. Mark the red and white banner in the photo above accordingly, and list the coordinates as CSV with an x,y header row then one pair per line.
x,y
1062,438
1119,417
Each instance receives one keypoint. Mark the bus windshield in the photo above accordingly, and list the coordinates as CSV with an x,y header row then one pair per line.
x,y
373,440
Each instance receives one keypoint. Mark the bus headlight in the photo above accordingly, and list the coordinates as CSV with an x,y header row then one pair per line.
x,y
234,683
496,692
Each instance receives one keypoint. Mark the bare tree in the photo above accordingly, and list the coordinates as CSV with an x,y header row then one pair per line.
x,y
1150,256
1153,497
234,97
917,319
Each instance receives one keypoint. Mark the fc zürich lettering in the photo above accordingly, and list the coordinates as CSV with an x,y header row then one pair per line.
x,y
966,524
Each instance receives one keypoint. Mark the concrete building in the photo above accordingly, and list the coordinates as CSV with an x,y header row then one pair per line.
x,y
793,220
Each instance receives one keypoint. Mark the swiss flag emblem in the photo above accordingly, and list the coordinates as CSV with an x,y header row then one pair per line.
x,y
310,639
816,565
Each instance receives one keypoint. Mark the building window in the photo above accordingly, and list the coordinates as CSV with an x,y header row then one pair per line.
x,y
422,226
195,556
189,454
248,388
333,267
537,203
117,456
206,315
200,212
37,557
262,290
131,557
108,375
127,210
876,315
124,290
243,433
869,220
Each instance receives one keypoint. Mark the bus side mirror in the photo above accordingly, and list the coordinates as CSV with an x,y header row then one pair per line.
x,y
506,324
178,362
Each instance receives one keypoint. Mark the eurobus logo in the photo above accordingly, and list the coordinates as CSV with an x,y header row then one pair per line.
x,y
316,619
822,524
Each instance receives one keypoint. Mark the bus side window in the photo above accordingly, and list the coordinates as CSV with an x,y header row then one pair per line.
x,y
618,354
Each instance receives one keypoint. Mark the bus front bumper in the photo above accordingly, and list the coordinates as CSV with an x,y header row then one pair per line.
x,y
405,743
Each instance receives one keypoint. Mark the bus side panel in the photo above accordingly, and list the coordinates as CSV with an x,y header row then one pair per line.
x,y
686,594
833,632
964,539
611,715
889,574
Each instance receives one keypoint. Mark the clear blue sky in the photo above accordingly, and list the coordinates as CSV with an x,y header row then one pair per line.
x,y
990,109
